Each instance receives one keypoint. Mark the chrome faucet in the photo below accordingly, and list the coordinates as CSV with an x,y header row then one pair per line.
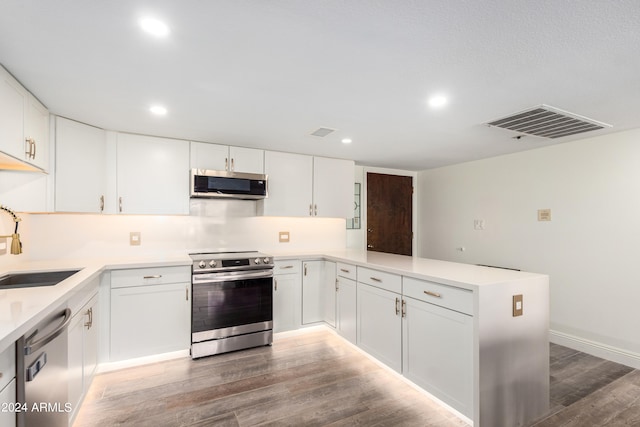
x,y
16,244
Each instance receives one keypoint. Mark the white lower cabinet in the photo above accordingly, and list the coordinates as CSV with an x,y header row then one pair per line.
x,y
7,399
82,345
286,295
438,352
312,292
329,285
346,308
379,324
8,387
150,311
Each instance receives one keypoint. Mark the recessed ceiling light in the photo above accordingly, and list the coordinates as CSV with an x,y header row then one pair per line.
x,y
154,27
158,110
346,141
437,101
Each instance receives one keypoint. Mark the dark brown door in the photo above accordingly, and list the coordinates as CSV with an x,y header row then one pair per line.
x,y
389,213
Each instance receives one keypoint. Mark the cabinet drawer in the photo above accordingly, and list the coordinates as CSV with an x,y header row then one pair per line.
x,y
150,276
346,270
287,266
380,279
7,365
435,293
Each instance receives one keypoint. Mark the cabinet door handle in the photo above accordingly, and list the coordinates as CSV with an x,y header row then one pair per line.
x,y
233,166
404,308
311,209
102,203
120,204
375,279
155,276
337,285
315,210
305,269
34,149
226,163
89,323
186,293
433,294
30,150
397,306
344,270
275,284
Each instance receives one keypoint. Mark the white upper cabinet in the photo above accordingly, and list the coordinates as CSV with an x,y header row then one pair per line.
x,y
226,158
333,187
302,185
24,123
290,184
152,175
81,167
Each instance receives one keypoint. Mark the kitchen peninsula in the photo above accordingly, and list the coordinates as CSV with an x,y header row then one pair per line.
x,y
474,337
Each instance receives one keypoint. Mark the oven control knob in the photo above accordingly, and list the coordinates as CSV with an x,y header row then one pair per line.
x,y
202,264
212,263
266,260
257,261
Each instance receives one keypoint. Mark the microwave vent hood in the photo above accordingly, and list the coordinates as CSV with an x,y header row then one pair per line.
x,y
227,185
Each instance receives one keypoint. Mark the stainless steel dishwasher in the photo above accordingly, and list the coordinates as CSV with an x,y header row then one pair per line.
x,y
41,373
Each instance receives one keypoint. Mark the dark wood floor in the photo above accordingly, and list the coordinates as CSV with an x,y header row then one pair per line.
x,y
316,379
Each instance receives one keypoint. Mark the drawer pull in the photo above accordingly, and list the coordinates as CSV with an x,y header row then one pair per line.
x,y
344,270
433,294
375,279
155,276
286,266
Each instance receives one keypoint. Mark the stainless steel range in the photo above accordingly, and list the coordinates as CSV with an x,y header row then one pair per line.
x,y
232,302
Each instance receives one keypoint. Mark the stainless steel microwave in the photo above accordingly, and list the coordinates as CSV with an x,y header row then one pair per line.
x,y
228,185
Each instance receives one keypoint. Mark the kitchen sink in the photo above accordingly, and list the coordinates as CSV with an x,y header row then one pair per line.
x,y
34,279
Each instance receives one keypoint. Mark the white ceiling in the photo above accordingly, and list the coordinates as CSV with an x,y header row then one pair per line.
x,y
266,74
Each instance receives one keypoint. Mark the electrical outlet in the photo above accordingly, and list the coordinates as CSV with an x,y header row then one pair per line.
x,y
283,237
544,214
517,305
134,238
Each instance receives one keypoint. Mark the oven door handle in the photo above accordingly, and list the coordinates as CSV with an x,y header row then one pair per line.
x,y
235,275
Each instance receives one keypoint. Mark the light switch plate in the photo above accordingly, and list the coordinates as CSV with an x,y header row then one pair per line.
x,y
283,237
134,238
517,305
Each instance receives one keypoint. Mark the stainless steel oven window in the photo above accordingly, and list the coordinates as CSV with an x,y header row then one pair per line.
x,y
232,302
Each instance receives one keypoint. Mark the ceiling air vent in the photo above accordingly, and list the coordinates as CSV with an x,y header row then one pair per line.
x,y
547,122
322,132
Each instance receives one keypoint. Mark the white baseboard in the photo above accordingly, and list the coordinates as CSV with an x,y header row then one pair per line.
x,y
597,349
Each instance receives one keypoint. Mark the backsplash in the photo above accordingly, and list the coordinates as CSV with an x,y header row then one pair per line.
x,y
51,236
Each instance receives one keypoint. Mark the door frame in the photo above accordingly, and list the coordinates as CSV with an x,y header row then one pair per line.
x,y
414,203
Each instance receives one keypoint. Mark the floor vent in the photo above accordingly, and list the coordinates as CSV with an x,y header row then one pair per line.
x,y
322,132
547,122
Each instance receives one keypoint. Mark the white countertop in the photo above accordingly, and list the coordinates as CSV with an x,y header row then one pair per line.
x,y
466,276
21,309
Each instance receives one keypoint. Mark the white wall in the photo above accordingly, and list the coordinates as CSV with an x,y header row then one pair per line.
x,y
589,248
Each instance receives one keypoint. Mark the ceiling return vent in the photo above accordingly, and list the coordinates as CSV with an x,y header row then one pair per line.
x,y
322,132
547,122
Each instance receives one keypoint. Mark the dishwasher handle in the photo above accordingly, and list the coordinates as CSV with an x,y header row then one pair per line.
x,y
31,346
